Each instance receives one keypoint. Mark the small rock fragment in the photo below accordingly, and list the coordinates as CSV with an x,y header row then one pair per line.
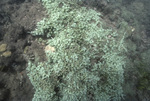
x,y
7,54
3,47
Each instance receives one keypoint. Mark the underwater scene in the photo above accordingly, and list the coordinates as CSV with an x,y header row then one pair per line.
x,y
74,50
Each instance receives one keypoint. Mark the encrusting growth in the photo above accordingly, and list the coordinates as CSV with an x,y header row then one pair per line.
x,y
83,63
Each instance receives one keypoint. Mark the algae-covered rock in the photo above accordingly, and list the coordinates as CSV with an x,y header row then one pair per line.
x,y
83,59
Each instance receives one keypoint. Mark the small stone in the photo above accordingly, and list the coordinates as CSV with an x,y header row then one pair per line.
x,y
7,54
3,47
49,48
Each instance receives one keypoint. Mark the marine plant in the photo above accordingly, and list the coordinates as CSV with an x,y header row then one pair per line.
x,y
83,59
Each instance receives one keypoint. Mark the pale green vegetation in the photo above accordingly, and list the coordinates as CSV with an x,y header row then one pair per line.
x,y
86,64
